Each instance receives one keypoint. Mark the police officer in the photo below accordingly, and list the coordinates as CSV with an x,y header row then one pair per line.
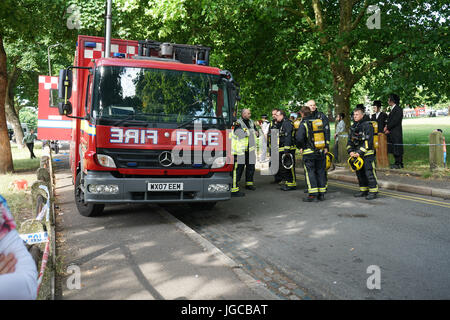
x,y
314,159
274,125
316,114
286,148
245,134
360,144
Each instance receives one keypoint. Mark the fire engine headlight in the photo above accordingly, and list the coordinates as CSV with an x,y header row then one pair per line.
x,y
105,189
219,162
106,161
213,188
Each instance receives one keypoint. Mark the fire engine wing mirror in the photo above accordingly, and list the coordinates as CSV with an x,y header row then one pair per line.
x,y
65,91
234,95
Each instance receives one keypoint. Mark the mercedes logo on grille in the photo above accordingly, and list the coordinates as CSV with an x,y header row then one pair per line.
x,y
165,158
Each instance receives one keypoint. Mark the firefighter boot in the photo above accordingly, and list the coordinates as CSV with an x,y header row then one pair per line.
x,y
286,188
237,194
361,194
371,196
310,199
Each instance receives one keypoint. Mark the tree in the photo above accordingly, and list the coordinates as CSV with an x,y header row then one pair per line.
x,y
352,51
18,27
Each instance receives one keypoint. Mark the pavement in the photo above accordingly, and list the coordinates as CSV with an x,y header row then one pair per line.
x,y
148,254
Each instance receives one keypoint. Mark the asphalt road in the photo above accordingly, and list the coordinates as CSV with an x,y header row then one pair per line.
x,y
299,250
327,247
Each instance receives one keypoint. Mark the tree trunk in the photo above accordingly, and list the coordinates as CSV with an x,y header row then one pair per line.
x,y
11,114
342,84
342,102
6,162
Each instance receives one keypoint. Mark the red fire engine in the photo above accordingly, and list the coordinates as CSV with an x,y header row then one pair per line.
x,y
146,125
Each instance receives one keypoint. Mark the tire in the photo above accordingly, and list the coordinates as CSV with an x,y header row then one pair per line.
x,y
85,209
202,205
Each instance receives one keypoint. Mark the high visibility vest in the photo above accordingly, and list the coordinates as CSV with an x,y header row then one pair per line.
x,y
248,132
237,145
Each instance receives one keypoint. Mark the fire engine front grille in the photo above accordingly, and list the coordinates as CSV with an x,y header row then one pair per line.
x,y
150,159
176,195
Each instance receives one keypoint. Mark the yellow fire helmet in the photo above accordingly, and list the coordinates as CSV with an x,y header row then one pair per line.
x,y
330,158
355,163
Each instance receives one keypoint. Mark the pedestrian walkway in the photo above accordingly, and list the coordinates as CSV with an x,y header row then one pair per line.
x,y
142,252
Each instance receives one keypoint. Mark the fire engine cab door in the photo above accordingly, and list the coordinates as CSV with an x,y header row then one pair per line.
x,y
51,125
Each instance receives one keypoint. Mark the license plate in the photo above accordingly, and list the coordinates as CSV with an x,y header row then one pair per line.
x,y
173,186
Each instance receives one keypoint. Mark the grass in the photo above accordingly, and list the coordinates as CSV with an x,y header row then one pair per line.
x,y
417,131
20,201
21,157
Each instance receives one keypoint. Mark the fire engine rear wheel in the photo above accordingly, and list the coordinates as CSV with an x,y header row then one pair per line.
x,y
202,205
85,209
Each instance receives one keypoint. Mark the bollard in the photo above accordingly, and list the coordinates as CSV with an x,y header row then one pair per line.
x,y
45,162
342,148
43,174
382,151
436,150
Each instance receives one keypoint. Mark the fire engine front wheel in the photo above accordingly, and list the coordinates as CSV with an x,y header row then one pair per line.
x,y
85,209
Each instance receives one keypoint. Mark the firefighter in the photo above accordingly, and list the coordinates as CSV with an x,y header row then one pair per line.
x,y
360,145
245,135
316,114
313,156
286,148
274,125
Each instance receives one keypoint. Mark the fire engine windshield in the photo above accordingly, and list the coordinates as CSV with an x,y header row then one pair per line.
x,y
159,98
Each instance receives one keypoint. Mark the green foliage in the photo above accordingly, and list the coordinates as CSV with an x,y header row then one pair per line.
x,y
272,51
30,117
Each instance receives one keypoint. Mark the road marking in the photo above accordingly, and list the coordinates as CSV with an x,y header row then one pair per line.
x,y
394,195
400,196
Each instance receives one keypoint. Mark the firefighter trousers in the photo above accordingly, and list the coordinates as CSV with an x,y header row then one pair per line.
x,y
315,173
246,161
367,177
287,175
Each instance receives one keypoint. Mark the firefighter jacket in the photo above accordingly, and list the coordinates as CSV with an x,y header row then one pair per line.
x,y
286,142
245,132
326,125
360,138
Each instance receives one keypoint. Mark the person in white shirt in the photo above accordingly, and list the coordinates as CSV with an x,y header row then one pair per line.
x,y
265,124
340,128
379,116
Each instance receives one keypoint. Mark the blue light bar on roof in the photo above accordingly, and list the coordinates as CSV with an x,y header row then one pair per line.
x,y
119,55
90,44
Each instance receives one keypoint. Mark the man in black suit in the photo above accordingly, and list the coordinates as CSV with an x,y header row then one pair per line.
x,y
394,131
379,116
